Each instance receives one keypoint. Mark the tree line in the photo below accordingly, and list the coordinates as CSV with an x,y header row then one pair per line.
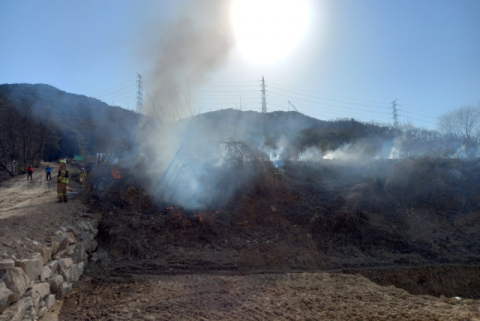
x,y
23,140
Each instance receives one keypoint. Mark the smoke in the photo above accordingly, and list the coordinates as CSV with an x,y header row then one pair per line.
x,y
366,148
187,51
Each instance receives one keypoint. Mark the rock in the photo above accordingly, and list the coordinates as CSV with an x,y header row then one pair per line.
x,y
75,230
54,245
71,238
94,245
46,253
95,232
90,226
79,227
84,236
60,254
62,242
81,252
55,283
16,281
50,301
41,312
36,302
33,265
63,229
30,311
64,289
88,245
94,223
70,249
65,263
76,271
7,264
5,294
18,311
53,265
45,274
85,226
42,289
76,256
67,275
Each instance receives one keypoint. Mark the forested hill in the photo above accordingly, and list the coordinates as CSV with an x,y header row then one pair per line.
x,y
42,122
39,121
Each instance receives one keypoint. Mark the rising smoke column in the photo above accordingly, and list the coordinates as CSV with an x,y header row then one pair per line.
x,y
188,49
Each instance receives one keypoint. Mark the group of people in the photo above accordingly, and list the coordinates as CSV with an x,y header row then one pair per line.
x,y
62,178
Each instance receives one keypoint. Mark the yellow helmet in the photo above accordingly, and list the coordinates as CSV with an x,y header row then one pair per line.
x,y
62,161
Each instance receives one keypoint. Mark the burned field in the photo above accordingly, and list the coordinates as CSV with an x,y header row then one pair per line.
x,y
329,215
383,240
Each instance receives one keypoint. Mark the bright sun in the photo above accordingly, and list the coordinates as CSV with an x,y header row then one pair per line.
x,y
267,31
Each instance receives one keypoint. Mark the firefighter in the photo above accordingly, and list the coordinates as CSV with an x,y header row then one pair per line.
x,y
62,182
82,176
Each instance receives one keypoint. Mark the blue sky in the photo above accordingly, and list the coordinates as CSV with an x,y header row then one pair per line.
x,y
352,60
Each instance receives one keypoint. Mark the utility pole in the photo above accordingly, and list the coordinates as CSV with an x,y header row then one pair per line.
x,y
139,93
395,113
264,98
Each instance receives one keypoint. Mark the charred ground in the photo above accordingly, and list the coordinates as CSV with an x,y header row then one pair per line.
x,y
326,215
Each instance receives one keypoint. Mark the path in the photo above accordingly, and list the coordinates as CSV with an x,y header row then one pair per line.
x,y
19,196
29,211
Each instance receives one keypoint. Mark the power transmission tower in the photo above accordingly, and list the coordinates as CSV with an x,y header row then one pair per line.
x,y
139,93
395,113
264,98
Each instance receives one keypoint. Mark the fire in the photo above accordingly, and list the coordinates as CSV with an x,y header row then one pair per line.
x,y
116,174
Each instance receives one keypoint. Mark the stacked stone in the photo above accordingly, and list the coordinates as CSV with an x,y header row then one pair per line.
x,y
29,287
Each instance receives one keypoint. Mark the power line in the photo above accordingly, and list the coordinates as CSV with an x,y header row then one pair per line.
x,y
129,87
111,88
371,101
319,97
324,104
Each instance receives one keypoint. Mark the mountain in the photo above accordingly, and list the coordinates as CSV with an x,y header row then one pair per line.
x,y
71,124
39,121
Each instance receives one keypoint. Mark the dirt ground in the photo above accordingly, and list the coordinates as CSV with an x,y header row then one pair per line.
x,y
191,274
29,214
301,296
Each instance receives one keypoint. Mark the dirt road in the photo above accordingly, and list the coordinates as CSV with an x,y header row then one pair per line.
x,y
29,212
20,196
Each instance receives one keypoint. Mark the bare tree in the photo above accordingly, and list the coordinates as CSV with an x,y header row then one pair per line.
x,y
23,140
462,125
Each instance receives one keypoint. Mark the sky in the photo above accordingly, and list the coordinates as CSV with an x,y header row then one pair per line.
x,y
330,58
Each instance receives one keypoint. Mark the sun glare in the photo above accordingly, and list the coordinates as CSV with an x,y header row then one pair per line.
x,y
266,31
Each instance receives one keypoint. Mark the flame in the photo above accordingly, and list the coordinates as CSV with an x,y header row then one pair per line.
x,y
116,174
178,217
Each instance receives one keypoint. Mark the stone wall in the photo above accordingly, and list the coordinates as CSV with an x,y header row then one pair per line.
x,y
29,287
